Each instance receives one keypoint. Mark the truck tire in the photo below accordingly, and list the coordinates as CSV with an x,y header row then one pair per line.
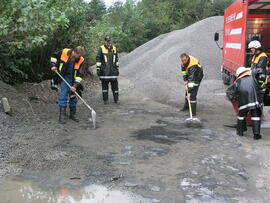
x,y
225,77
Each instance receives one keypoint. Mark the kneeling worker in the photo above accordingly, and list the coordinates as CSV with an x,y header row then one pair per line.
x,y
192,75
69,64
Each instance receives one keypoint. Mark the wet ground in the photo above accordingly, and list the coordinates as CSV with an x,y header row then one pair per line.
x,y
141,151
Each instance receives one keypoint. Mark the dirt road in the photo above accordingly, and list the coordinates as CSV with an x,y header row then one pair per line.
x,y
141,146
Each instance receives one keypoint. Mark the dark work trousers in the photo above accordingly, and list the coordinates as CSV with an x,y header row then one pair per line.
x,y
193,99
105,89
255,118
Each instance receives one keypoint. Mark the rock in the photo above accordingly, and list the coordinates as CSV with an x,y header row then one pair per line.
x,y
5,104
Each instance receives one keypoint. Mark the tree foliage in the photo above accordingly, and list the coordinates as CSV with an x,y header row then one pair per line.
x,y
31,30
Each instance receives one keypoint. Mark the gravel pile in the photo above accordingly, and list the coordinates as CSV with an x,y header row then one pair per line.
x,y
154,67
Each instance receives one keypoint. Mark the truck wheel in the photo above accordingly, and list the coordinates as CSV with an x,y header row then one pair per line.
x,y
225,77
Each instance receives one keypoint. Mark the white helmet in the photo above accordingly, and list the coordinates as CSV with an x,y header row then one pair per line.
x,y
241,70
254,44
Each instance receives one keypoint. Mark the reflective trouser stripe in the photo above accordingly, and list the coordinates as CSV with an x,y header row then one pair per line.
x,y
108,77
255,118
193,102
240,118
104,90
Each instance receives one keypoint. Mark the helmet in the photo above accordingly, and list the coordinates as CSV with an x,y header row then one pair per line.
x,y
254,44
107,38
241,70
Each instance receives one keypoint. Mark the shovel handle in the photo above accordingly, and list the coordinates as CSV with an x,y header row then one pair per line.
x,y
189,104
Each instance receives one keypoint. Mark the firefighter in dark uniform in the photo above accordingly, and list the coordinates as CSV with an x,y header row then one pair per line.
x,y
246,92
260,62
107,67
69,64
192,75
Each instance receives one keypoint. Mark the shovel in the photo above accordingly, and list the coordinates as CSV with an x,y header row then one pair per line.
x,y
191,121
93,113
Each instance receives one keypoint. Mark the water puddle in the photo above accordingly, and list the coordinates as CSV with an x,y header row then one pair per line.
x,y
18,189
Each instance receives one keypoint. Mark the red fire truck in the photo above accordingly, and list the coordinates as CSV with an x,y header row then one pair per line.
x,y
244,21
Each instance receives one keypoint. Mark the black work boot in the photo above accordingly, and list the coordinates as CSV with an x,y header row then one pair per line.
x,y
256,127
240,127
62,115
194,109
115,97
185,107
72,114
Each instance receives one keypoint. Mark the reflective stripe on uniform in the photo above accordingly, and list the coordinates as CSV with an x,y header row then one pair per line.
x,y
240,118
104,90
98,63
193,102
60,66
255,118
249,105
108,77
54,60
192,84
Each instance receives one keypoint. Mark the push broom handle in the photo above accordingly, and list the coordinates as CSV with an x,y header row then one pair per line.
x,y
75,91
189,104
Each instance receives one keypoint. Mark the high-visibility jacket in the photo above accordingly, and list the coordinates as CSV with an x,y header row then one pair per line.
x,y
192,72
261,62
107,62
61,61
246,91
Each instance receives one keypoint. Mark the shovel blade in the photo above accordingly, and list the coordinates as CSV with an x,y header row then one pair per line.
x,y
94,116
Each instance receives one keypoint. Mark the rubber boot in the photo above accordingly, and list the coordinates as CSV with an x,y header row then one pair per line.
x,y
185,107
105,96
244,125
194,109
62,115
72,114
256,127
240,127
115,97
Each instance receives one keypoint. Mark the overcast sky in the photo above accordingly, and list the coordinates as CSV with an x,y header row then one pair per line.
x,y
108,2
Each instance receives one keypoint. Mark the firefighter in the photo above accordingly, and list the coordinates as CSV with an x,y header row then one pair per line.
x,y
260,61
107,67
192,75
245,90
69,64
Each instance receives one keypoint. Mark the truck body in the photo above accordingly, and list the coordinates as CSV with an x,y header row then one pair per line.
x,y
244,21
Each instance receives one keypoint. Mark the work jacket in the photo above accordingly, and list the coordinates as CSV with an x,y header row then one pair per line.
x,y
61,60
107,63
192,72
261,62
246,91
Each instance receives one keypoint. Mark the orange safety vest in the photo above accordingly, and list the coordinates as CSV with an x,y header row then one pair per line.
x,y
65,57
193,62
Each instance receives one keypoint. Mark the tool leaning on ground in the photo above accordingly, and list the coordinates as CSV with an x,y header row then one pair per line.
x,y
191,121
93,113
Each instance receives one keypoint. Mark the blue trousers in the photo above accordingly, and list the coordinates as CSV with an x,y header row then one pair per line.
x,y
64,96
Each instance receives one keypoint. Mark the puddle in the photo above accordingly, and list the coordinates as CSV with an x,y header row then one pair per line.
x,y
18,189
161,135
